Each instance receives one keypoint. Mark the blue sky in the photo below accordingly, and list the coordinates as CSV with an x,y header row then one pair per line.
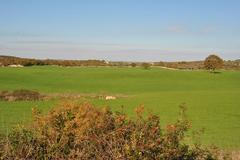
x,y
133,30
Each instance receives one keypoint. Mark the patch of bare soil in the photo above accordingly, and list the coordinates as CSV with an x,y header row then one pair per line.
x,y
168,68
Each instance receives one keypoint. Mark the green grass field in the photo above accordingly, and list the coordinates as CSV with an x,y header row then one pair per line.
x,y
213,100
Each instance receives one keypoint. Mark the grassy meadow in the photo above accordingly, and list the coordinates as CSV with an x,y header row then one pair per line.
x,y
212,100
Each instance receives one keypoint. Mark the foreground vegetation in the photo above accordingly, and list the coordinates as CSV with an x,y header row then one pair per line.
x,y
212,99
82,131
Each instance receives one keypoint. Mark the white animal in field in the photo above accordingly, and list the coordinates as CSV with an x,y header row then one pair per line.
x,y
110,97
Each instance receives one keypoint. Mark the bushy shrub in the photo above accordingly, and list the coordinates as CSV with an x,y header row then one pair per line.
x,y
146,65
133,65
86,132
20,95
213,62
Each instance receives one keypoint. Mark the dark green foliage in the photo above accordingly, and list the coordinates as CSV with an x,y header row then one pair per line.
x,y
146,65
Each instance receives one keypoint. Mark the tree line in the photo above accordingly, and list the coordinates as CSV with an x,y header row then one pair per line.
x,y
10,60
212,62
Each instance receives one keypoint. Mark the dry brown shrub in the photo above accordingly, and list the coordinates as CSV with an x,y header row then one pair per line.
x,y
20,95
82,131
213,62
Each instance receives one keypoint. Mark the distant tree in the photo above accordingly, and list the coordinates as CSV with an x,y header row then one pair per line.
x,y
133,64
159,64
146,65
213,62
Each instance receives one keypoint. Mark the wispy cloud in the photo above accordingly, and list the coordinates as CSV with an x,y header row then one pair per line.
x,y
43,42
114,53
208,29
180,29
19,34
68,43
177,29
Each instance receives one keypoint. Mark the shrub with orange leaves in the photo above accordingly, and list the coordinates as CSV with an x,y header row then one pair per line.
x,y
82,131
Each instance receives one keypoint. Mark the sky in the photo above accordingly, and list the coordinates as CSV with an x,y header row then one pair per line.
x,y
120,30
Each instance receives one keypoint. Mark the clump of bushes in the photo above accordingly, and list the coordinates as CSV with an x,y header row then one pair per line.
x,y
133,65
72,131
10,60
20,95
146,65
